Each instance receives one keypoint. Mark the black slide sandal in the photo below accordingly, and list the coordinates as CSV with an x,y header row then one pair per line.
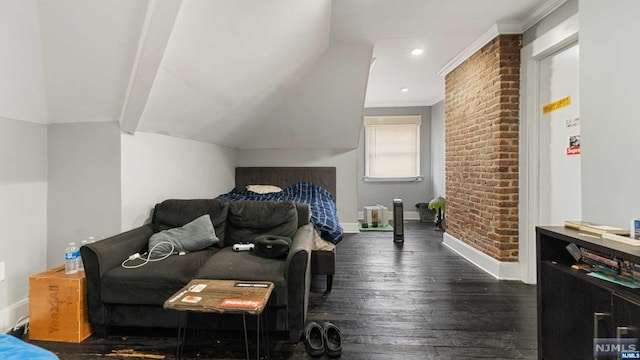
x,y
314,339
332,340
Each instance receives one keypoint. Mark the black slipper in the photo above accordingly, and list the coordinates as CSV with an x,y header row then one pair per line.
x,y
314,339
332,340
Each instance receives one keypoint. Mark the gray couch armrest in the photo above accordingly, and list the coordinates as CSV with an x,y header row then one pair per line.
x,y
104,255
109,253
300,249
298,274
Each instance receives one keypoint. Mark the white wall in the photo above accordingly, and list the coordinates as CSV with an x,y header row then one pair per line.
x,y
559,174
21,84
437,149
372,193
158,167
84,184
609,78
345,162
23,156
23,213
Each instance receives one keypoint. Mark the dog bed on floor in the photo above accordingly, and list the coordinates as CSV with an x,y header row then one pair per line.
x,y
12,348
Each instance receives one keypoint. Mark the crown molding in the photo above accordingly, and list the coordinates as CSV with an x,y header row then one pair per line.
x,y
539,13
502,28
476,45
369,105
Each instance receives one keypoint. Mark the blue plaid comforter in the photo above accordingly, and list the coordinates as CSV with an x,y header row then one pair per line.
x,y
324,215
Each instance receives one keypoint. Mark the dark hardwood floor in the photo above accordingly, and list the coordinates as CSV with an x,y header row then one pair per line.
x,y
418,300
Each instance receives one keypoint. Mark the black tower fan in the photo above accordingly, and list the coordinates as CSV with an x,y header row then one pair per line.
x,y
398,221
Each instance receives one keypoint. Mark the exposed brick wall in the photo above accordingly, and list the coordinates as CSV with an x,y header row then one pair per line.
x,y
481,139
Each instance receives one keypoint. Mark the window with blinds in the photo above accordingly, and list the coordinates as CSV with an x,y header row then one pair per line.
x,y
392,148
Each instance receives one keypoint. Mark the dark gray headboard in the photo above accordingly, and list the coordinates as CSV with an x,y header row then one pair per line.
x,y
286,176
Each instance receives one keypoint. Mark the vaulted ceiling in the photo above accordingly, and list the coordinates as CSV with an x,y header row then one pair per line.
x,y
248,73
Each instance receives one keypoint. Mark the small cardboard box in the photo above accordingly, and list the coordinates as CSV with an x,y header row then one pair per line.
x,y
377,214
58,306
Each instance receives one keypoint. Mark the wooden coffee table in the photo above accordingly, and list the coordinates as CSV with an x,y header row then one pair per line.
x,y
224,297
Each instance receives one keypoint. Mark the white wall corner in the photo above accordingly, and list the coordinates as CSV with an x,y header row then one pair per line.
x,y
500,270
11,314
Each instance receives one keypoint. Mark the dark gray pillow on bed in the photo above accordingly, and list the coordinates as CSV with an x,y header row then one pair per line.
x,y
193,236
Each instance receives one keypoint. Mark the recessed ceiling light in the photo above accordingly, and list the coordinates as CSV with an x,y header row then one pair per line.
x,y
404,89
416,52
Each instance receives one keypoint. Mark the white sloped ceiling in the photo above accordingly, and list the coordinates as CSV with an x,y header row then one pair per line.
x,y
21,78
249,74
324,110
88,48
229,64
214,71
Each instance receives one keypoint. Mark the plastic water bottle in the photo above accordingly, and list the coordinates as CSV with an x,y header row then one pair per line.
x,y
89,240
80,263
71,255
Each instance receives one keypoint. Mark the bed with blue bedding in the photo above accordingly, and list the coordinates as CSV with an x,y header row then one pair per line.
x,y
324,214
313,185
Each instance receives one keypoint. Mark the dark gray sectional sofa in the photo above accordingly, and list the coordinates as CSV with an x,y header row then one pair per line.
x,y
117,296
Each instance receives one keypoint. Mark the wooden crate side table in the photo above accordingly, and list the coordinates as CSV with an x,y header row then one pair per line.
x,y
58,306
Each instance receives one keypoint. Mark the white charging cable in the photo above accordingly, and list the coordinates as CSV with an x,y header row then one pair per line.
x,y
23,321
148,258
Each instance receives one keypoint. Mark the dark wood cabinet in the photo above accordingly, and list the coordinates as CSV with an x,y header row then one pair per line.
x,y
573,307
626,317
569,314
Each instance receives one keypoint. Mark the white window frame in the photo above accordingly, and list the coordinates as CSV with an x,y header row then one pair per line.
x,y
391,120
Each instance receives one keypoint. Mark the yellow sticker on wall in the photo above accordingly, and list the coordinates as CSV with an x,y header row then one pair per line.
x,y
558,104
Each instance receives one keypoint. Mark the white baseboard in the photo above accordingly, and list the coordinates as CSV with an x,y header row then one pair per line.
x,y
10,315
408,215
501,270
350,228
411,215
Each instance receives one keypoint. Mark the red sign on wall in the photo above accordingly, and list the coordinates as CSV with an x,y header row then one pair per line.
x,y
575,150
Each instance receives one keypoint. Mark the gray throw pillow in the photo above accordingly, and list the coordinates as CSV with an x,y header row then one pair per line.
x,y
193,236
